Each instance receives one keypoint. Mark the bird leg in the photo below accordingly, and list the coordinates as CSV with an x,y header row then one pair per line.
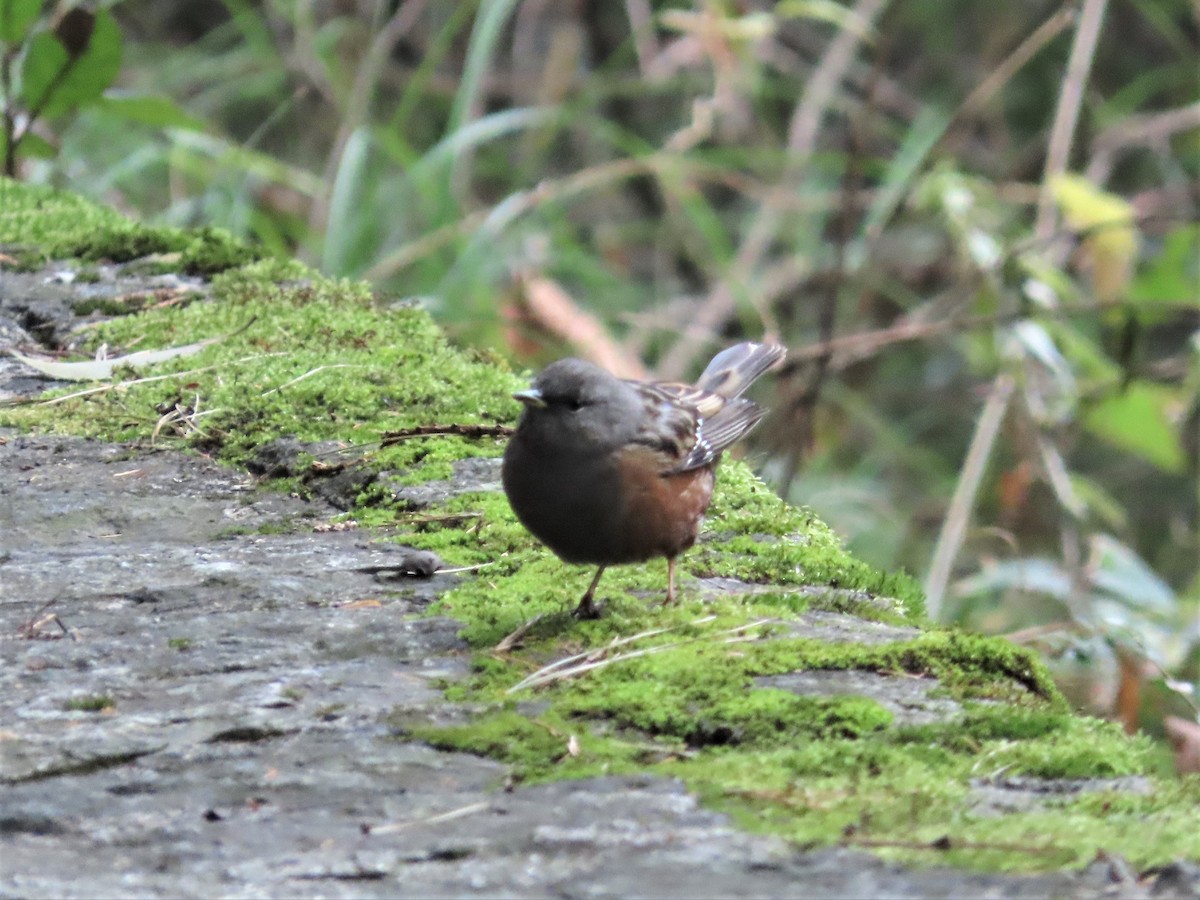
x,y
670,581
587,609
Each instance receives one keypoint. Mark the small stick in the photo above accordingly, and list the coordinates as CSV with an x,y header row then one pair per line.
x,y
518,635
474,432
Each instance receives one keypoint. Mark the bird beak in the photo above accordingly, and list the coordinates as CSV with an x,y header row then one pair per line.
x,y
531,398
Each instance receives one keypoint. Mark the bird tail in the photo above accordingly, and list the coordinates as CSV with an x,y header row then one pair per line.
x,y
732,371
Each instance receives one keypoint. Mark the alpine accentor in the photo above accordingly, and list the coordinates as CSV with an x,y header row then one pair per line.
x,y
604,471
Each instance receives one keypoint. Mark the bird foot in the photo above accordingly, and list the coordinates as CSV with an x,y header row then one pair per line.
x,y
588,609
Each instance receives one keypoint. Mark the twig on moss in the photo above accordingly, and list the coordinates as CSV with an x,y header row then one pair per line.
x,y
518,634
420,519
113,385
310,372
458,569
580,663
471,432
182,419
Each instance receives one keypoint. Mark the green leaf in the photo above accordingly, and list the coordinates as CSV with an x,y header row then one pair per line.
x,y
30,145
1086,357
1117,570
1138,421
36,147
15,18
1100,502
161,112
919,141
486,35
1173,277
54,82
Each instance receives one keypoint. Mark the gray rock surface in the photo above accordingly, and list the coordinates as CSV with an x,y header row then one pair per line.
x,y
241,748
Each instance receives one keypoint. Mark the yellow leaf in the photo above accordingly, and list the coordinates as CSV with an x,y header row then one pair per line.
x,y
1106,224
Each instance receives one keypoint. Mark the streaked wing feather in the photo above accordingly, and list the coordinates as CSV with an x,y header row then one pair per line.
x,y
668,423
721,431
732,371
690,425
703,402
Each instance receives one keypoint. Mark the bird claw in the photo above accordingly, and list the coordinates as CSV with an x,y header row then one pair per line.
x,y
588,609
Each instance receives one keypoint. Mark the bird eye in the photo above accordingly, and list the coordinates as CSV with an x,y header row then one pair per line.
x,y
574,404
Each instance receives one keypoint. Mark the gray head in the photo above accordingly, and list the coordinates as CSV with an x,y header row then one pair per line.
x,y
574,405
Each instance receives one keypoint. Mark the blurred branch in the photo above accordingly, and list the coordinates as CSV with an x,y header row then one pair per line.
x,y
1015,61
959,512
1151,130
987,428
802,136
543,303
849,349
641,26
1066,116
302,56
801,409
8,61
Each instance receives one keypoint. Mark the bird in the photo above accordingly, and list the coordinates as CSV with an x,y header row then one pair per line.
x,y
605,470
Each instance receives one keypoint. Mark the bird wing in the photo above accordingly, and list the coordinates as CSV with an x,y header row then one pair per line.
x,y
713,435
691,427
735,369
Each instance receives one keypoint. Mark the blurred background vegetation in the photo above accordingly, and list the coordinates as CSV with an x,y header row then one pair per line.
x,y
973,224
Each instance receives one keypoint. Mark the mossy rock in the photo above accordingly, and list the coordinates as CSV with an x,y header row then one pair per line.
x,y
699,690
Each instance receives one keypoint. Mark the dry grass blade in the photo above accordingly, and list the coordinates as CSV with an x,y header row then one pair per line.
x,y
459,569
987,429
99,369
518,634
581,663
587,654
308,374
469,809
1066,116
102,388
181,419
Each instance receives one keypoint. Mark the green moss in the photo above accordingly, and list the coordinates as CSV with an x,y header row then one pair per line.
x,y
90,703
764,540
108,306
212,250
319,361
38,217
1084,748
46,224
118,242
537,749
1038,743
704,695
